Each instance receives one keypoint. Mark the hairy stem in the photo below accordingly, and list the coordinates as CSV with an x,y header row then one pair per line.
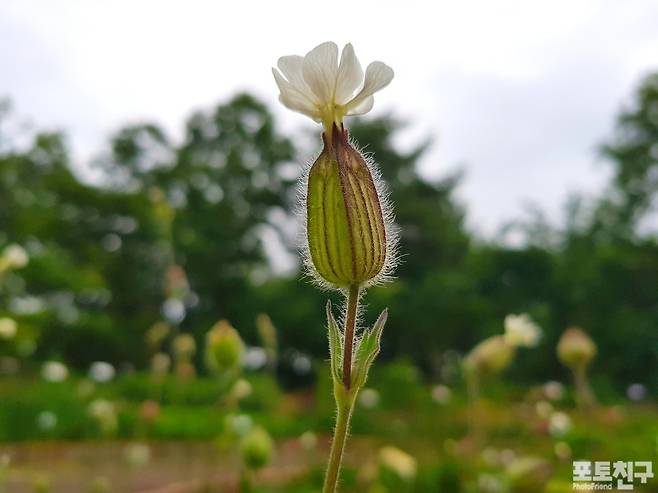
x,y
343,416
345,395
350,323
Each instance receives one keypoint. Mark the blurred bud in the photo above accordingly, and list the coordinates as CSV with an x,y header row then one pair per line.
x,y
520,330
528,475
41,484
238,424
397,461
224,348
100,485
85,388
149,411
308,440
544,409
490,356
576,349
256,448
562,451
185,370
8,328
241,390
176,282
54,371
345,217
156,334
137,454
184,347
105,414
160,364
267,333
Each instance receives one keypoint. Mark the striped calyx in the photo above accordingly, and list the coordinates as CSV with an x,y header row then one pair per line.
x,y
345,224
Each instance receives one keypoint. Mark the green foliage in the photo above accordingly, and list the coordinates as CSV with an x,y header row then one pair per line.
x,y
100,252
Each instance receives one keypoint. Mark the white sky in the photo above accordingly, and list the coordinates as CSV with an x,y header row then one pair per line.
x,y
520,93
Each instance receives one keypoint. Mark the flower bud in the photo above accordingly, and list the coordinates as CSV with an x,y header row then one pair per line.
x,y
256,448
346,231
184,346
490,356
576,349
224,347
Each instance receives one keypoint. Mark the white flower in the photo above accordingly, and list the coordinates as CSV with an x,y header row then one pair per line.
x,y
101,371
8,328
520,330
15,256
559,424
320,86
54,371
399,462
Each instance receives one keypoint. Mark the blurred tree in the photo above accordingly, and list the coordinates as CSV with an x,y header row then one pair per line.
x,y
633,152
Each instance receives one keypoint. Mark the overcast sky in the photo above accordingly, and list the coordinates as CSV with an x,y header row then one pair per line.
x,y
518,93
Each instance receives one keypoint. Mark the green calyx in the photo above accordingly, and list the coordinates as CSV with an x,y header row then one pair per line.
x,y
345,223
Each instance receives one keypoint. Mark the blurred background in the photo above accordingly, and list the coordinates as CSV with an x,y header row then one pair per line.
x,y
147,188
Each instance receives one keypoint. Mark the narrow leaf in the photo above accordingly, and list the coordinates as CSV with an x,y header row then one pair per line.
x,y
368,349
335,345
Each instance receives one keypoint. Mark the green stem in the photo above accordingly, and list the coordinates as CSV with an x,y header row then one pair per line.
x,y
343,416
345,396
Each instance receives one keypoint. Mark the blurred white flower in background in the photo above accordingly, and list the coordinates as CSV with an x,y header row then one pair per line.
x,y
14,257
559,424
520,330
544,409
137,454
8,328
399,462
254,358
241,389
101,371
562,450
54,371
553,390
46,420
321,87
636,392
105,413
441,394
369,398
160,363
308,440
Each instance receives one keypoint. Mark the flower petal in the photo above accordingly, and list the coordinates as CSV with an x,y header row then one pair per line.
x,y
364,107
291,68
320,68
350,75
378,76
293,98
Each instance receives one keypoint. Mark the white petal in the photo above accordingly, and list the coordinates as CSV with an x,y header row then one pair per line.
x,y
291,68
378,76
364,107
320,68
350,75
293,98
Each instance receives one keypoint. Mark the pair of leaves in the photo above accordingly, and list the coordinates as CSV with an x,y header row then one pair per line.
x,y
365,351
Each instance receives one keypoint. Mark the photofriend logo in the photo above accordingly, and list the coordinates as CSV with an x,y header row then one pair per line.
x,y
613,476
